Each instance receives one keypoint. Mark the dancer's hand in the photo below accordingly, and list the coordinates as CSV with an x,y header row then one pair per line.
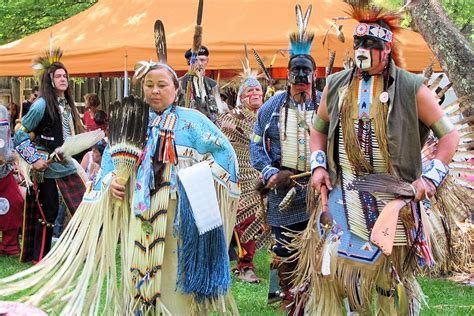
x,y
40,165
118,190
320,177
424,189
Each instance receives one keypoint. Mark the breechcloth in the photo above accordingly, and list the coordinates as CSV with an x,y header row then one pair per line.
x,y
42,205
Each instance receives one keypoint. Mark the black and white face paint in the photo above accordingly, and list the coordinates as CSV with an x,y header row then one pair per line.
x,y
363,58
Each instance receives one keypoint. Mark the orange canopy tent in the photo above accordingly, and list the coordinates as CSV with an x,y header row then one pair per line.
x,y
114,34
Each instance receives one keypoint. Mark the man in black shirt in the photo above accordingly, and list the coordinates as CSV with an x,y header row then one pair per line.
x,y
31,99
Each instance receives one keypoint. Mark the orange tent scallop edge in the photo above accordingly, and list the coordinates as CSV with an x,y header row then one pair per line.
x,y
112,35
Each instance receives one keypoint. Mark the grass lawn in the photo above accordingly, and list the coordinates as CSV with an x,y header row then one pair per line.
x,y
444,297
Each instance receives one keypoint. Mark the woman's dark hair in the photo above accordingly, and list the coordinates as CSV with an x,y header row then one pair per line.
x,y
100,118
48,93
92,99
100,147
17,111
170,70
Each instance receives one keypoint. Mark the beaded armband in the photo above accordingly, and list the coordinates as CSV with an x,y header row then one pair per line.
x,y
442,127
318,159
436,171
320,125
27,151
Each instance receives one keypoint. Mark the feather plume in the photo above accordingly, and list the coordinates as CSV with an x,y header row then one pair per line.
x,y
78,143
340,34
306,16
262,66
287,200
444,90
428,71
43,62
160,42
332,57
299,20
436,82
302,39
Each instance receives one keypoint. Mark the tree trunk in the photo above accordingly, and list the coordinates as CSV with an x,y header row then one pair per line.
x,y
453,51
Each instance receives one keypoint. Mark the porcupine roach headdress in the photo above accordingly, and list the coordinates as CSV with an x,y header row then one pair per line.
x,y
248,77
43,62
386,19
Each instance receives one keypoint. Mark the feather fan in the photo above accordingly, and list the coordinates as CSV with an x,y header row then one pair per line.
x,y
77,144
382,183
127,130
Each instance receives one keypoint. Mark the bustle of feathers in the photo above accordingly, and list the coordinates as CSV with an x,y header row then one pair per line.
x,y
301,40
43,62
373,14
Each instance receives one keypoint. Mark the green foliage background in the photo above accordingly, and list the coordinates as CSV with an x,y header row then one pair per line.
x,y
19,18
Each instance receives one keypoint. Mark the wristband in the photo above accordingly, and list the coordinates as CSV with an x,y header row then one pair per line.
x,y
318,159
436,171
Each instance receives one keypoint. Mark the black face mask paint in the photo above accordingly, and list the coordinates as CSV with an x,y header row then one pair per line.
x,y
368,42
301,70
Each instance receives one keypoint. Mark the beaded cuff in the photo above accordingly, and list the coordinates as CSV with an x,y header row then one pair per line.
x,y
27,151
318,159
436,171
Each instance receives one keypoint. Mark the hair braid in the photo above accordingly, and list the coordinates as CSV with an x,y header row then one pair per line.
x,y
286,105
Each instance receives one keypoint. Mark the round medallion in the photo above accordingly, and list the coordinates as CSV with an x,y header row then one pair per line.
x,y
4,206
383,97
362,29
2,143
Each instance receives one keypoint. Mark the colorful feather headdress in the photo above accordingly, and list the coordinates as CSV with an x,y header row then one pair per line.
x,y
248,77
43,62
301,40
371,14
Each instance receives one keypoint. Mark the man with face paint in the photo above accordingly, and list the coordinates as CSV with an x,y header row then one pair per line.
x,y
280,149
237,125
375,118
205,96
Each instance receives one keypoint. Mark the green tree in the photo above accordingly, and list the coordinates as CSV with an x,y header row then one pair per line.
x,y
20,18
461,12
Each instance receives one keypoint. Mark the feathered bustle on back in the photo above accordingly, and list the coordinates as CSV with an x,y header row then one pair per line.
x,y
301,40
